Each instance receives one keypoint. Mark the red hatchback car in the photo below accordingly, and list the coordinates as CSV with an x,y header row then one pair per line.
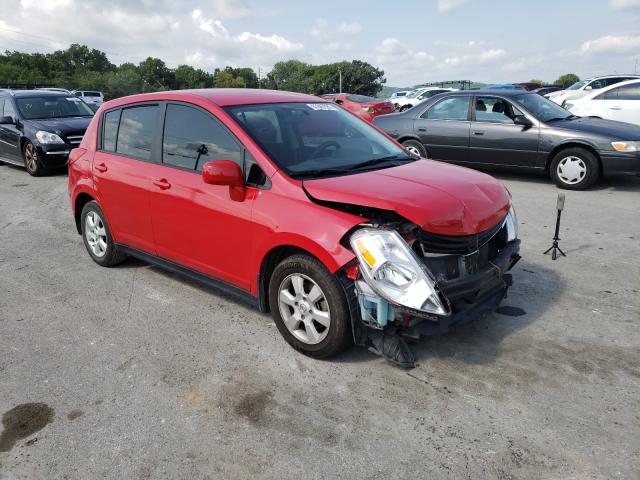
x,y
298,206
365,107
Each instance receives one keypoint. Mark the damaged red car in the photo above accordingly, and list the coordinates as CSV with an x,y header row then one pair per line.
x,y
298,206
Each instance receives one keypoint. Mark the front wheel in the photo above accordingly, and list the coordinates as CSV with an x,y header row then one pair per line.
x,y
32,160
574,169
309,307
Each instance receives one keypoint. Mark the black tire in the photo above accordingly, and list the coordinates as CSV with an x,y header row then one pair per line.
x,y
415,147
111,256
338,335
405,108
32,162
588,169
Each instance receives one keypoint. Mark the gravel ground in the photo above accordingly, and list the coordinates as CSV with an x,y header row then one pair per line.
x,y
135,373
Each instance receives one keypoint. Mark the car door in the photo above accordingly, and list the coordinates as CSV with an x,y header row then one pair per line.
x,y
623,103
9,132
443,129
126,151
496,140
195,224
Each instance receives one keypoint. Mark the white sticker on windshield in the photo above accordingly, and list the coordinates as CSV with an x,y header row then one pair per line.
x,y
322,106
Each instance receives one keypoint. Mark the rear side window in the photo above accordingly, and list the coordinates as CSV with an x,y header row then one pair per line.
x,y
452,108
192,137
7,109
110,130
135,135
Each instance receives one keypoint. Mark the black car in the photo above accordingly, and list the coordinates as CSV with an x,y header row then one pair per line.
x,y
39,128
547,89
517,129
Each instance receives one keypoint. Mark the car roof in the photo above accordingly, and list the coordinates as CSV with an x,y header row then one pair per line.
x,y
611,76
37,93
600,91
221,97
499,92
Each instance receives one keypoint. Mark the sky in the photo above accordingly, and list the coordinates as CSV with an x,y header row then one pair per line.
x,y
492,41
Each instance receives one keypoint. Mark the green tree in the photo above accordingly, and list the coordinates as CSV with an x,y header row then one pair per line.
x,y
189,77
225,79
155,75
292,75
535,80
567,79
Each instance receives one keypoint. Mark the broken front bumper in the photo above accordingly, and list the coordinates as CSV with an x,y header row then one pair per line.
x,y
469,298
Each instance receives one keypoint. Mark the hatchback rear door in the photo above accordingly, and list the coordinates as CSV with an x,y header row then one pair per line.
x,y
443,129
195,224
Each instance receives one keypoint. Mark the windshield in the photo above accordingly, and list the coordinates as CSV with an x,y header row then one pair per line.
x,y
577,85
361,98
32,108
316,139
541,108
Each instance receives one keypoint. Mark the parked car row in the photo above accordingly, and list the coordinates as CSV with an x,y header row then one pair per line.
x,y
515,128
92,97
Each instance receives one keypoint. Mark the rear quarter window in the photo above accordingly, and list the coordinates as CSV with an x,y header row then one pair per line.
x,y
110,130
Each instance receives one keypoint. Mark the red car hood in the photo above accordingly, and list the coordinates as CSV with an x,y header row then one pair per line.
x,y
441,198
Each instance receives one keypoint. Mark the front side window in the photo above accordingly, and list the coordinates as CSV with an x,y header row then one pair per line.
x,y
6,109
315,139
45,107
495,110
629,92
452,108
192,137
578,85
137,127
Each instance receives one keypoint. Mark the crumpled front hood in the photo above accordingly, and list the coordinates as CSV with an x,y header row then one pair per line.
x,y
440,198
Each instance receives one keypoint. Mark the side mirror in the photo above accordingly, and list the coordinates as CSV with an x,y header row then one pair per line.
x,y
588,88
6,120
522,120
225,172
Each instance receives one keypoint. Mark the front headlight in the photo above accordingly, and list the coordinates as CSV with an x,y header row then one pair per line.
x,y
48,137
626,146
512,225
394,272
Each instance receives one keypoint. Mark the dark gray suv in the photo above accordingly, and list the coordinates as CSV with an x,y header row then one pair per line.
x,y
517,129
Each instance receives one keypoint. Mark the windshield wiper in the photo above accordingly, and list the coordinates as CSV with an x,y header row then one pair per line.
x,y
555,119
350,168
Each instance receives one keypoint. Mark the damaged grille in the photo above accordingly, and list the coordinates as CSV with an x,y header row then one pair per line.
x,y
449,258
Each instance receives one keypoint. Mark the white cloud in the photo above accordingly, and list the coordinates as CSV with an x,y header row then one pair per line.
x,y
353,28
476,58
622,4
611,44
449,5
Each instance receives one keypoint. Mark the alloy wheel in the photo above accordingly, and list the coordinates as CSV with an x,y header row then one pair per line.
x,y
304,308
96,234
413,149
31,157
572,170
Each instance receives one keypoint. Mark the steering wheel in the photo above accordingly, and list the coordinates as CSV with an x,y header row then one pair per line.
x,y
323,146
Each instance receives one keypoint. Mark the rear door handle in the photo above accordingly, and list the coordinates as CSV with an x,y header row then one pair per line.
x,y
478,133
162,183
422,129
616,108
101,167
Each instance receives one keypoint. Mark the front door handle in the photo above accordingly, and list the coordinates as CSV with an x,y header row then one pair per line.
x,y
422,129
478,133
101,167
162,183
616,108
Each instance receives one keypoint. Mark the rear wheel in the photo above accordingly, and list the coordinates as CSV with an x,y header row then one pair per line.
x,y
309,307
32,160
574,169
415,147
97,236
405,108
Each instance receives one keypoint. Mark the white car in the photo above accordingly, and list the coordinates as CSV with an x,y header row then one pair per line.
x,y
417,96
396,95
584,87
91,97
619,102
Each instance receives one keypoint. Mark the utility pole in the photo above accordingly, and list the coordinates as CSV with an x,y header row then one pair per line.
x,y
259,86
340,73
